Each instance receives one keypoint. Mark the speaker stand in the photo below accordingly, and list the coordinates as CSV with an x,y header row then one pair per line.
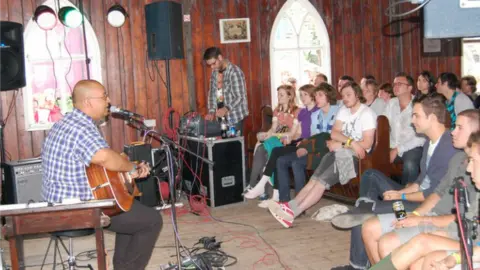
x,y
169,92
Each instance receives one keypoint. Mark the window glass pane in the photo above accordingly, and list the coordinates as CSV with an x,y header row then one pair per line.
x,y
310,62
309,34
296,12
286,67
285,36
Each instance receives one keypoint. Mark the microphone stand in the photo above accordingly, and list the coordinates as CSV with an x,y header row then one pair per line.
x,y
166,142
466,244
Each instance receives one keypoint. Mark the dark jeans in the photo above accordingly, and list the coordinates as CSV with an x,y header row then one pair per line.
x,y
372,185
274,155
136,234
283,177
411,165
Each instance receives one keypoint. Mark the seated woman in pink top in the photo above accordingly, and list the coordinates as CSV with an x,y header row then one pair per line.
x,y
284,125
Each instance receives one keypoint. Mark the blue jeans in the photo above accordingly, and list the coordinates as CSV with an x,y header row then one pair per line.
x,y
372,185
298,166
411,165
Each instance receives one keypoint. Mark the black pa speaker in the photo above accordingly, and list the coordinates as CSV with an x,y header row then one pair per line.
x,y
164,30
12,59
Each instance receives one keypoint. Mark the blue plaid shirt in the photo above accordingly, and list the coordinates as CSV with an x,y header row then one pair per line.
x,y
68,148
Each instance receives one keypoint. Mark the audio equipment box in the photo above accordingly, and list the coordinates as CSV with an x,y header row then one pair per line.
x,y
222,183
23,181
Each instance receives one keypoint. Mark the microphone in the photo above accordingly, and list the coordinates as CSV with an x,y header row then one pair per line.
x,y
127,113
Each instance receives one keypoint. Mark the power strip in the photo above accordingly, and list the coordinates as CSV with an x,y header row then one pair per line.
x,y
167,206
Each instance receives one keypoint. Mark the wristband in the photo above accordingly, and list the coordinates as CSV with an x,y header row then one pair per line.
x,y
457,257
134,169
404,196
349,141
416,213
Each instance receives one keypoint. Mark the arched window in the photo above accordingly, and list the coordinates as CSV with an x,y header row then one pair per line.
x,y
55,62
299,46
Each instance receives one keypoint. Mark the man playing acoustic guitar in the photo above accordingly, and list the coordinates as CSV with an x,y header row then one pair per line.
x,y
75,142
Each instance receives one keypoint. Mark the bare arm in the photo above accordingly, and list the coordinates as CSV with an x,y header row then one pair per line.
x,y
415,196
337,134
111,160
428,204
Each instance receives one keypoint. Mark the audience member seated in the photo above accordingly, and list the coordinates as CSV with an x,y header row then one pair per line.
x,y
405,144
341,82
308,153
386,92
320,78
307,97
428,116
370,92
284,124
435,238
437,208
426,83
469,88
351,139
457,101
363,81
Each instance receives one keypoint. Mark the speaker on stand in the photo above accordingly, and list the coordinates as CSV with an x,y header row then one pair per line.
x,y
165,36
12,59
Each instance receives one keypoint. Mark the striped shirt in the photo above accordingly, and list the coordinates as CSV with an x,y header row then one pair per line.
x,y
68,148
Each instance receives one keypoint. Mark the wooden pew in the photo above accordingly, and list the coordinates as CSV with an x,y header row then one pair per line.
x,y
378,158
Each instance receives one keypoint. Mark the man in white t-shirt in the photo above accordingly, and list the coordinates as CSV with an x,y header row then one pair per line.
x,y
351,138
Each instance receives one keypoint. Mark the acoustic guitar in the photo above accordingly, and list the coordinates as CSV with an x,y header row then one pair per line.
x,y
119,186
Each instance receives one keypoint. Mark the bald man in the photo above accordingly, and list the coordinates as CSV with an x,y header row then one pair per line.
x,y
75,142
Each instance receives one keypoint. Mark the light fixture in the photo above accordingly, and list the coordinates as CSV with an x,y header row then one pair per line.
x,y
70,17
45,17
116,15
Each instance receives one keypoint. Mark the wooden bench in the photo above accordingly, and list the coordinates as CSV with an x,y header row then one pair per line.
x,y
378,158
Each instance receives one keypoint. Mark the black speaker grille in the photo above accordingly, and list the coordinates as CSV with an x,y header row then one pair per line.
x,y
9,67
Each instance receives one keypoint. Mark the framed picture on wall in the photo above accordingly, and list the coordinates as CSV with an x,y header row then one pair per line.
x,y
235,30
471,58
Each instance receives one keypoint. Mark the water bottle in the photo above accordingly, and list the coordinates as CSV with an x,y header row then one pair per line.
x,y
232,131
224,128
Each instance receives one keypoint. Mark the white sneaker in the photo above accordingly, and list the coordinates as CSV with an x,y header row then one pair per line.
x,y
263,204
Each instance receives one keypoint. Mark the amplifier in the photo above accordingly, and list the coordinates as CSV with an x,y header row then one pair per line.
x,y
222,183
23,181
148,186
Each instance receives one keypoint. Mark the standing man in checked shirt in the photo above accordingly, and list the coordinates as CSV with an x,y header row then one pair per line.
x,y
227,96
75,142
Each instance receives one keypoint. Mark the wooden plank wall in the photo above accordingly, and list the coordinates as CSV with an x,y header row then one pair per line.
x,y
363,40
124,73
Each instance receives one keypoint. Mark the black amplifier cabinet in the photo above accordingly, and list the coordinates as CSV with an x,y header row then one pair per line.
x,y
222,183
148,186
23,181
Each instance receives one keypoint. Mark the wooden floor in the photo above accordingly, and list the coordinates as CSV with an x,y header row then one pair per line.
x,y
309,244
